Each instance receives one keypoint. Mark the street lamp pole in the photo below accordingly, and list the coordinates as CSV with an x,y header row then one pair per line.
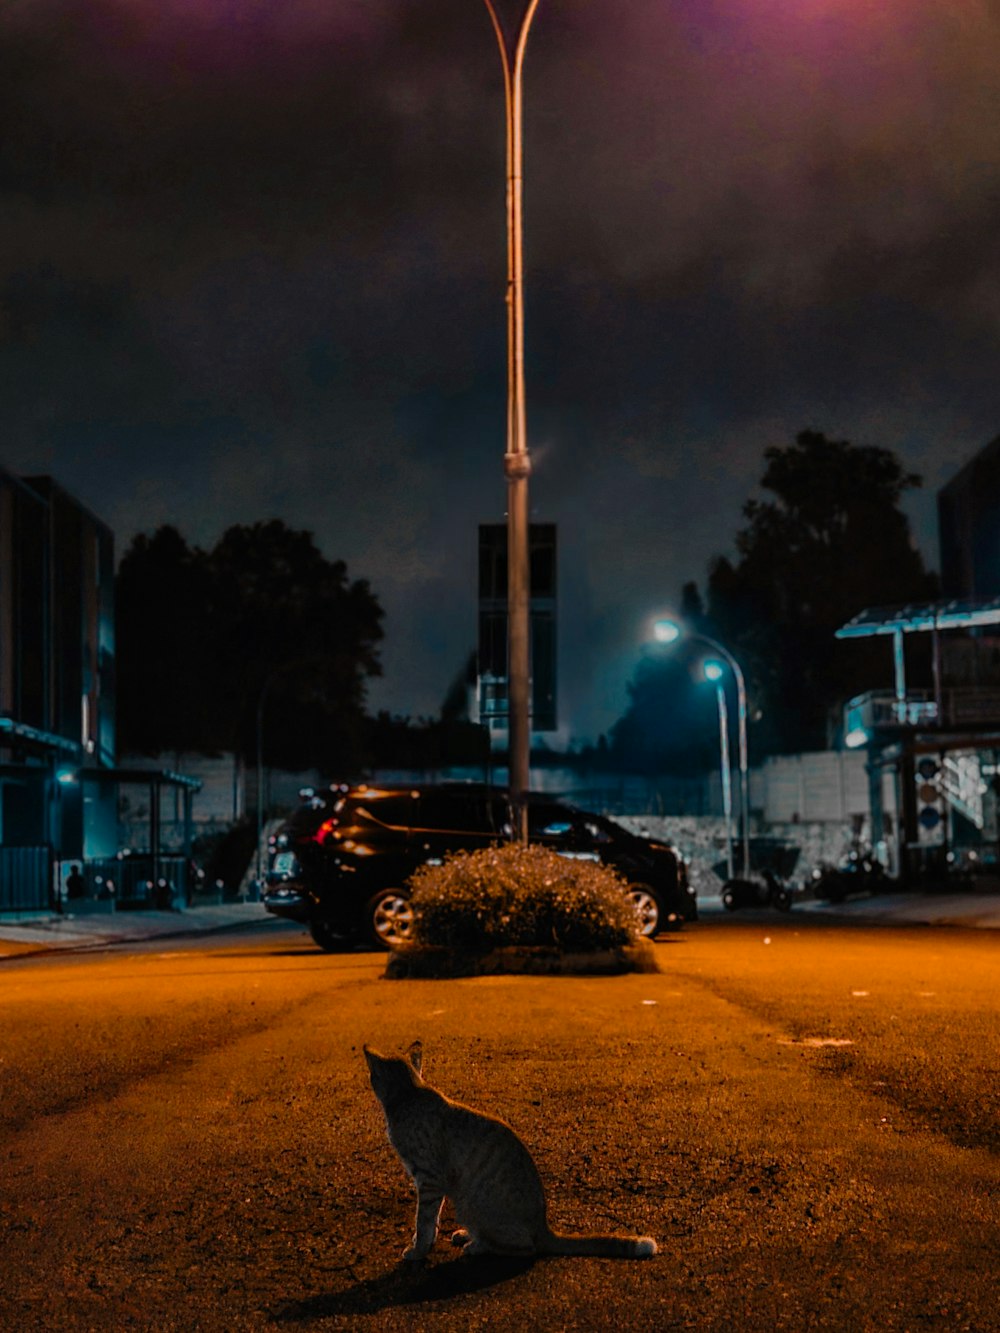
x,y
259,738
268,681
726,772
669,630
517,462
742,729
741,711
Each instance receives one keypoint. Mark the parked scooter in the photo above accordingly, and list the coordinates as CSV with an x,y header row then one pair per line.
x,y
860,873
764,890
768,883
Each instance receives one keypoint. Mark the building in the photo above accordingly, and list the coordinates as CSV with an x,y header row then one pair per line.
x,y
941,747
969,528
56,687
59,784
490,707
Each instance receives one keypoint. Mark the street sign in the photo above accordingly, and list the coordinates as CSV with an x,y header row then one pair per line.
x,y
931,823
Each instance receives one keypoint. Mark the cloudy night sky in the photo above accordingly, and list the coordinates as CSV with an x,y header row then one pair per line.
x,y
253,264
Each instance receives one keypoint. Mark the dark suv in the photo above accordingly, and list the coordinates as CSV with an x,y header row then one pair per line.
x,y
341,863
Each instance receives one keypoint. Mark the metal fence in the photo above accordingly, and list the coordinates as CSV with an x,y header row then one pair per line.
x,y
129,881
25,879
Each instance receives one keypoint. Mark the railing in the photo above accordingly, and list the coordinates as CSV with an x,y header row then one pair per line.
x,y
128,880
880,710
25,879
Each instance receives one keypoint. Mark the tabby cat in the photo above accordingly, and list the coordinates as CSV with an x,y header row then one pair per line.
x,y
480,1164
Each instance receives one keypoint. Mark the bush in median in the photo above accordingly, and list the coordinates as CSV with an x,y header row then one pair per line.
x,y
521,896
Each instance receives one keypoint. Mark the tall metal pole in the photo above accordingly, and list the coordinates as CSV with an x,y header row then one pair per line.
x,y
744,761
517,462
727,778
260,780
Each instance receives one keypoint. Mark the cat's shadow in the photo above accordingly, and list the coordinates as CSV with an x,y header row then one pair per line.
x,y
407,1284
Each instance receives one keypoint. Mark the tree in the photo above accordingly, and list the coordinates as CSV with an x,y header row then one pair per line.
x,y
163,628
830,542
264,622
670,724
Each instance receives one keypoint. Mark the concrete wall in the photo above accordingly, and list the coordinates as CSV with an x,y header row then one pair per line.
x,y
819,787
702,842
817,800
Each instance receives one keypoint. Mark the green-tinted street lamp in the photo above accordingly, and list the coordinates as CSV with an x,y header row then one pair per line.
x,y
668,630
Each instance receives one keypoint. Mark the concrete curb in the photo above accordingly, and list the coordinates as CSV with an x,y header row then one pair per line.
x,y
48,934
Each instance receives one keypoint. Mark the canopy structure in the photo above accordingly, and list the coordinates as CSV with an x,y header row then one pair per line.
x,y
920,618
20,735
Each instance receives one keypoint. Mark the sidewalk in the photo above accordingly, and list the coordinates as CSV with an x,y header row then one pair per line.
x,y
98,930
918,909
945,908
43,934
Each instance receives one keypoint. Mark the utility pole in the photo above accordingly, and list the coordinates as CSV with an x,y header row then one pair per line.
x,y
517,462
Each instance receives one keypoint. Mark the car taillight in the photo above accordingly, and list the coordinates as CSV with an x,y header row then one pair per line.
x,y
325,830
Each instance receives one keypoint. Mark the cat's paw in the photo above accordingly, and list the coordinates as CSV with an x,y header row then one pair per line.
x,y
473,1247
460,1237
414,1255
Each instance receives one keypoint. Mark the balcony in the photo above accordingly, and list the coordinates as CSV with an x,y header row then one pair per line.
x,y
976,707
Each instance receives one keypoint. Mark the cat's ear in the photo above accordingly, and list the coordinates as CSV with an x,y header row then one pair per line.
x,y
415,1055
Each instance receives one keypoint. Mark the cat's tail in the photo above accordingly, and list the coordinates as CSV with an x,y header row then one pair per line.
x,y
606,1247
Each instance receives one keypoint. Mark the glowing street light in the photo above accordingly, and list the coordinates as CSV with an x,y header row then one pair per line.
x,y
517,463
668,630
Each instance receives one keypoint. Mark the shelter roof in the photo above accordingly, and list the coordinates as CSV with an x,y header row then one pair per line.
x,y
919,617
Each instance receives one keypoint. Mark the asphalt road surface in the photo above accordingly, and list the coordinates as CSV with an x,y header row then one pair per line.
x,y
804,1116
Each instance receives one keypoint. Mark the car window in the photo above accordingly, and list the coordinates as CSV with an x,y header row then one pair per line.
x,y
595,829
393,809
454,812
549,821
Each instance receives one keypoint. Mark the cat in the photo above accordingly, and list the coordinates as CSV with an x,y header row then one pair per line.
x,y
481,1165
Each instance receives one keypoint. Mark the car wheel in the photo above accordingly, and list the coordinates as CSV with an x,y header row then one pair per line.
x,y
325,936
782,899
647,909
390,918
729,900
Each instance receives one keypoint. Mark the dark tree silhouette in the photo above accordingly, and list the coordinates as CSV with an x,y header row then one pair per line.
x,y
163,627
261,622
830,542
670,724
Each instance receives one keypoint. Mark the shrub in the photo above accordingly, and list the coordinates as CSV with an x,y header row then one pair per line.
x,y
513,895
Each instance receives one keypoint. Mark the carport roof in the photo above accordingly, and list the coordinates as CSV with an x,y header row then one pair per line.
x,y
34,738
917,617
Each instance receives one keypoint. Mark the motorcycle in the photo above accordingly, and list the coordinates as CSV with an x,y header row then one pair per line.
x,y
768,882
860,873
766,890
